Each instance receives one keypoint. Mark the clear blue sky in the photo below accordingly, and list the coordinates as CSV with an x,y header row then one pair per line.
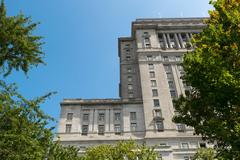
x,y
81,43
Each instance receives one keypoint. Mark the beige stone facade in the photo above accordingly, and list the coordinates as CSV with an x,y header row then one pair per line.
x,y
150,78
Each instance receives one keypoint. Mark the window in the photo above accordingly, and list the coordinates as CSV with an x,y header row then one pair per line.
x,y
180,127
156,103
167,67
117,129
202,145
84,130
129,78
154,93
159,126
145,34
101,117
129,70
188,158
178,58
127,45
153,83
130,95
68,128
163,144
128,58
185,146
85,117
133,127
133,116
150,66
173,93
165,58
147,42
171,84
117,116
152,74
101,129
69,116
158,113
149,58
130,86
169,75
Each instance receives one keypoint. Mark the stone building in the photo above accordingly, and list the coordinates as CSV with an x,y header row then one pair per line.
x,y
150,78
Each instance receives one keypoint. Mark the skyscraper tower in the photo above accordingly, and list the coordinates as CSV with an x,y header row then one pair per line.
x,y
150,78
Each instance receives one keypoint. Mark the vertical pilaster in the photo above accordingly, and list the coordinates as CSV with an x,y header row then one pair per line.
x,y
177,41
169,41
180,40
165,41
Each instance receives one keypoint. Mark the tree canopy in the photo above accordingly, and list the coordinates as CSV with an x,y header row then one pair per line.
x,y
19,49
124,150
24,131
212,106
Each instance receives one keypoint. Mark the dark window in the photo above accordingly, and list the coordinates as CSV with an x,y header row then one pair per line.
x,y
156,103
154,93
101,129
85,117
85,130
68,128
101,117
133,116
69,116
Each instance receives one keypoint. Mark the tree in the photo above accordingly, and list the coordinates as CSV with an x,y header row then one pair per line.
x,y
124,150
212,106
23,126
205,154
19,49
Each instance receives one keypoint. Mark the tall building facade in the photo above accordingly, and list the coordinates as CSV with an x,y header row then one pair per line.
x,y
150,78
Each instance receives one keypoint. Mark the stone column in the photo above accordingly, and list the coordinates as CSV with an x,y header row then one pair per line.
x,y
169,41
188,38
180,40
177,41
107,120
165,40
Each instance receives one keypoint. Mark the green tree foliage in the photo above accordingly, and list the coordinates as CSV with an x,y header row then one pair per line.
x,y
124,150
19,49
212,107
59,152
205,154
24,134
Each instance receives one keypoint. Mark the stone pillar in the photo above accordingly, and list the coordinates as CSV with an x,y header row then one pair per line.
x,y
111,125
180,40
177,41
91,120
188,38
165,41
107,120
169,41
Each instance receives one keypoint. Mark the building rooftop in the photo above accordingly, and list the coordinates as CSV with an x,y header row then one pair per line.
x,y
79,101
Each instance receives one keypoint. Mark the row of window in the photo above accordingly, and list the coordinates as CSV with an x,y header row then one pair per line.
x,y
133,126
101,128
165,58
101,116
170,40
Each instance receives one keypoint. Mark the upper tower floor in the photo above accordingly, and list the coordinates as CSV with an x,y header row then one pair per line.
x,y
160,35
